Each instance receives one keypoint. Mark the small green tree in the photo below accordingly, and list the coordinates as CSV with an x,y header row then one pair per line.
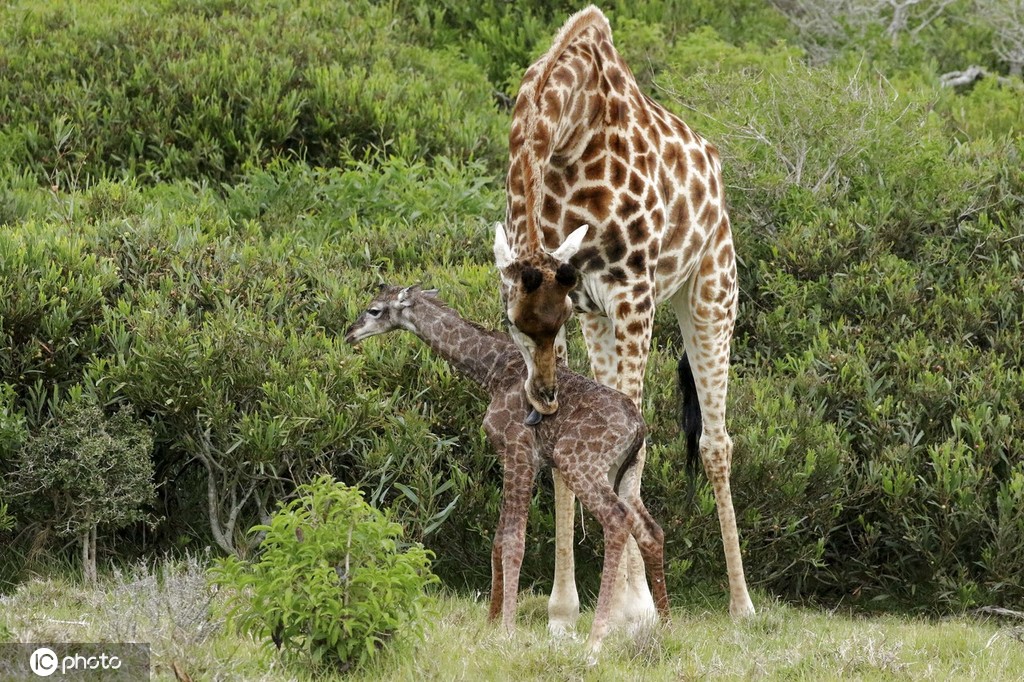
x,y
84,470
332,579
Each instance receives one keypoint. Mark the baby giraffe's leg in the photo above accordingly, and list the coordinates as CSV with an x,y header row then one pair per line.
x,y
595,492
497,573
613,516
651,540
515,507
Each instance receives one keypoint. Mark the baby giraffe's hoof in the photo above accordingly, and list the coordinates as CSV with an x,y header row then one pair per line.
x,y
534,418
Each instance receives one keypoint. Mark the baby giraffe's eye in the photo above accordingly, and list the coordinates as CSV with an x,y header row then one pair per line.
x,y
374,312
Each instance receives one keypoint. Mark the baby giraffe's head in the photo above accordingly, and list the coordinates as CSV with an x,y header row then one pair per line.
x,y
386,312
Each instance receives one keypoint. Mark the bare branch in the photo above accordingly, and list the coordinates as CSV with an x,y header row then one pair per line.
x,y
1000,611
831,21
965,77
213,502
975,73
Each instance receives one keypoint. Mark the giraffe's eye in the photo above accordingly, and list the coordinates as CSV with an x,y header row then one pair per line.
x,y
374,312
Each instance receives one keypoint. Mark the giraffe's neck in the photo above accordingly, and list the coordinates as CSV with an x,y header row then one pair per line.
x,y
558,109
480,354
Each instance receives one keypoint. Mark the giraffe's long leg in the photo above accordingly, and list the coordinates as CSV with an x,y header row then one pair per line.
x,y
564,602
618,353
599,334
706,311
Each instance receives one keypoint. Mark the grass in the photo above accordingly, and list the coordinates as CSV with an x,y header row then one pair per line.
x,y
171,607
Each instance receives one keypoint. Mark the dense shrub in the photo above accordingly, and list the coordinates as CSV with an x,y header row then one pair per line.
x,y
881,292
821,144
332,582
503,38
876,394
12,422
168,90
225,339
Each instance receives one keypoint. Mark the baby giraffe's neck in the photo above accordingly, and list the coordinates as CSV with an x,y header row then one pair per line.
x,y
478,353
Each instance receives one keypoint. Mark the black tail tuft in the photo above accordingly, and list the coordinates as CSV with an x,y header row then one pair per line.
x,y
689,419
630,460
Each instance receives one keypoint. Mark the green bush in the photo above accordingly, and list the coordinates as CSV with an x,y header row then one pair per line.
x,y
169,90
216,318
53,288
504,38
333,581
84,470
877,218
821,144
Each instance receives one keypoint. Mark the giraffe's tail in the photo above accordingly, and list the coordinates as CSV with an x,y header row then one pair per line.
x,y
689,420
629,462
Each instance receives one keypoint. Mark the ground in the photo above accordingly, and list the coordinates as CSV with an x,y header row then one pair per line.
x,y
172,608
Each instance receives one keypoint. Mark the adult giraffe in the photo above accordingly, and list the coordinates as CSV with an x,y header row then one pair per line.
x,y
606,182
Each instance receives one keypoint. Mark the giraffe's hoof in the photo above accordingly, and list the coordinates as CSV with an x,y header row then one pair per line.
x,y
533,418
741,608
561,632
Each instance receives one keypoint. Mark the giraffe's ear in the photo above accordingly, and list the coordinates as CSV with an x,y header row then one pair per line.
x,y
571,244
502,252
431,293
404,298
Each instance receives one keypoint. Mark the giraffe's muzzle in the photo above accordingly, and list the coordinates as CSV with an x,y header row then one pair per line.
x,y
543,399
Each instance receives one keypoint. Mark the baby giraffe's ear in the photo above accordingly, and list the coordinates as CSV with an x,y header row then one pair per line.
x,y
404,299
432,293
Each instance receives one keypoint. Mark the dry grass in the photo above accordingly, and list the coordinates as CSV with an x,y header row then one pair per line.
x,y
779,643
171,607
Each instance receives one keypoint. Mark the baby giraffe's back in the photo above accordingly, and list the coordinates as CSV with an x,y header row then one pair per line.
x,y
592,420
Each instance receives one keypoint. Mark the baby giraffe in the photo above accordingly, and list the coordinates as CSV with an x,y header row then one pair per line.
x,y
592,441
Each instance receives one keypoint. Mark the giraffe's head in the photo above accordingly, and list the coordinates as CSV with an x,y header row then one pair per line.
x,y
385,312
535,291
